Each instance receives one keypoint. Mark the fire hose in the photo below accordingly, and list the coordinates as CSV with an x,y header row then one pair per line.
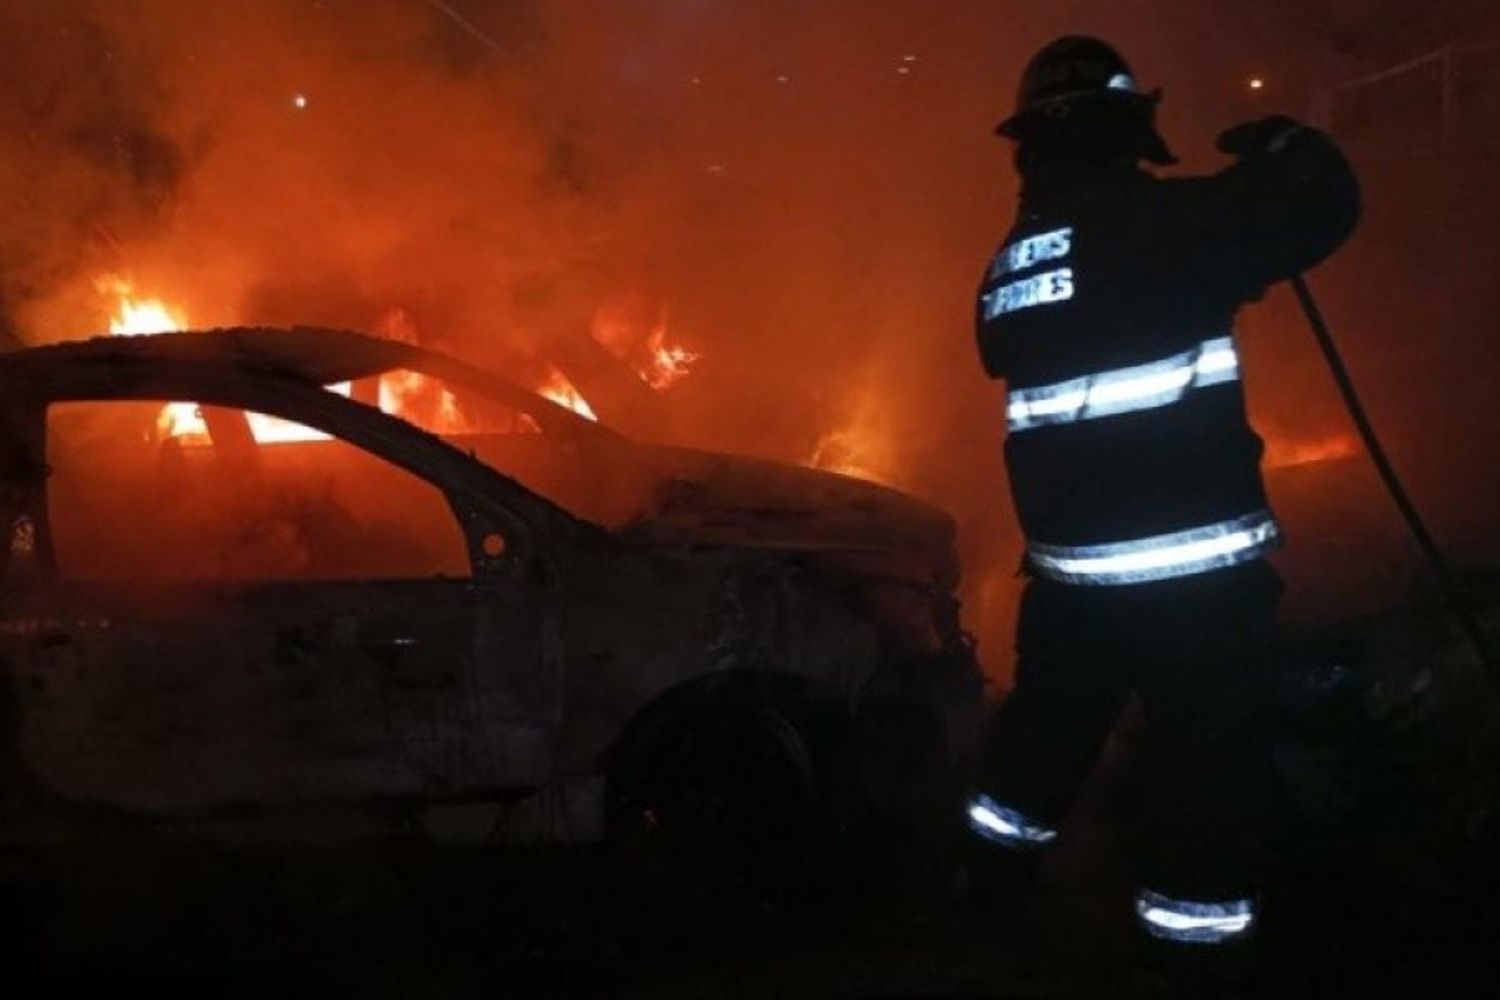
x,y
1453,592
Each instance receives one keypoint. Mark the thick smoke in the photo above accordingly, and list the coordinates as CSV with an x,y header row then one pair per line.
x,y
809,190
83,162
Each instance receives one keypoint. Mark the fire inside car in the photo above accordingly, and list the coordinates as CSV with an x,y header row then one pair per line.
x,y
667,498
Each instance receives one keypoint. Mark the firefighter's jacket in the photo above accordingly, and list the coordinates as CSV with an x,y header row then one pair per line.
x,y
1109,312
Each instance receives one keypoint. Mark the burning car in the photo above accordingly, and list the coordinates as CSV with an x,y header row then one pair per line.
x,y
240,597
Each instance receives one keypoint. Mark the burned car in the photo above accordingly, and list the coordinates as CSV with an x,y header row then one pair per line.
x,y
241,598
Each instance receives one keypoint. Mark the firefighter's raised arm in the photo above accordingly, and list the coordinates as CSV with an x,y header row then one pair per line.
x,y
1289,200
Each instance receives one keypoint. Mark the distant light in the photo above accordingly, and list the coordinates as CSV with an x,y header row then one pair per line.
x,y
904,70
696,80
716,168
908,58
299,101
783,79
1256,83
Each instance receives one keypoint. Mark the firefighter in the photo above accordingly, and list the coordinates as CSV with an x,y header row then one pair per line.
x,y
1108,311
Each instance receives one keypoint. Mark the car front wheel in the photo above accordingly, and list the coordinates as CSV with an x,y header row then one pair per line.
x,y
717,809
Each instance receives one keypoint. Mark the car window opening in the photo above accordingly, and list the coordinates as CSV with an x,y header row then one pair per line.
x,y
126,507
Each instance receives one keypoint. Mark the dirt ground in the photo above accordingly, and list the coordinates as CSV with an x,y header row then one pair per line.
x,y
1385,866
863,921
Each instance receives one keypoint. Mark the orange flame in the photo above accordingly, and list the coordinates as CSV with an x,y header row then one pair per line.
x,y
143,317
861,439
406,394
666,363
660,364
413,396
429,404
850,451
137,317
558,389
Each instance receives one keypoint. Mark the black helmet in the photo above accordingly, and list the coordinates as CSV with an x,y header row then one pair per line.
x,y
1077,70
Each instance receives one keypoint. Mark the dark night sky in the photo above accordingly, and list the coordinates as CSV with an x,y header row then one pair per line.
x,y
810,186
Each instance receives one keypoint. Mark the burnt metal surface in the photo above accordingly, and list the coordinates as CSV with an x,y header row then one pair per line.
x,y
219,702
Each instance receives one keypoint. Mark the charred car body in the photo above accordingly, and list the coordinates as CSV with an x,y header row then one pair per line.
x,y
371,626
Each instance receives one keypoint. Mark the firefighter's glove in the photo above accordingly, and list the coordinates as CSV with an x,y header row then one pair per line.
x,y
1260,137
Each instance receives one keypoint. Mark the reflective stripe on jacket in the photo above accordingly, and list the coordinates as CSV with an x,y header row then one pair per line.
x,y
1109,312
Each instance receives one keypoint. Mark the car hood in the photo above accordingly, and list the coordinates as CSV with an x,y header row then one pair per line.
x,y
711,498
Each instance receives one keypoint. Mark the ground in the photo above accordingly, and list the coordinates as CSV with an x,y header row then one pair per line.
x,y
401,920
1385,864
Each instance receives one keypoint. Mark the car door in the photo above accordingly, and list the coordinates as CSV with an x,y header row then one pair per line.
x,y
297,623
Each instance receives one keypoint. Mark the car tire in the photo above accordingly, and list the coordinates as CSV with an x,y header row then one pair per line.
x,y
716,812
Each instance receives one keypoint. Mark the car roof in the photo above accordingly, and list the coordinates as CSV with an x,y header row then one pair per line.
x,y
313,355
309,354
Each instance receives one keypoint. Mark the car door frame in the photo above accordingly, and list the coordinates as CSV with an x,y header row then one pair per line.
x,y
484,502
